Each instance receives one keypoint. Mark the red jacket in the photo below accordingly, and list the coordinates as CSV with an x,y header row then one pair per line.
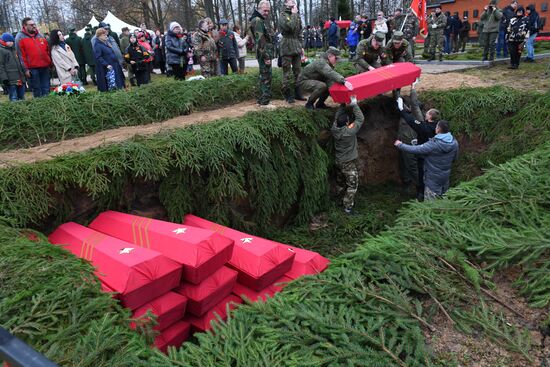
x,y
33,50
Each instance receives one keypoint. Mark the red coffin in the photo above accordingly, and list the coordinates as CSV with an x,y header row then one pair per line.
x,y
168,308
139,275
255,296
203,323
259,261
306,263
345,24
375,82
201,252
211,291
175,335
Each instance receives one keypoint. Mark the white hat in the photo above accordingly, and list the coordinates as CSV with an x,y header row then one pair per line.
x,y
174,25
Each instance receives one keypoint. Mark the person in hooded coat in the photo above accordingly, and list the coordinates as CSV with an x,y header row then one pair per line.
x,y
12,75
177,48
439,154
106,60
137,57
534,26
516,35
75,43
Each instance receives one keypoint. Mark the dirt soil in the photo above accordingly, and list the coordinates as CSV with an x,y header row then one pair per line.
x,y
51,150
457,349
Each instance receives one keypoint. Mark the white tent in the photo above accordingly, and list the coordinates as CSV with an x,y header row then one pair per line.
x,y
93,22
117,24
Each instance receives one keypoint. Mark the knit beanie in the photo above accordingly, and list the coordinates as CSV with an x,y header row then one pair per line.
x,y
8,37
342,120
174,25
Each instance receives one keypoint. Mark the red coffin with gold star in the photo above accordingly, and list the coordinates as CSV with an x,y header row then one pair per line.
x,y
138,275
375,82
259,262
201,251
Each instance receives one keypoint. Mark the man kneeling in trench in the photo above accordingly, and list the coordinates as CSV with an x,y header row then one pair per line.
x,y
345,132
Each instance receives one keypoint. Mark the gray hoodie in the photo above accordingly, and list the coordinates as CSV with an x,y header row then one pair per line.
x,y
439,154
345,137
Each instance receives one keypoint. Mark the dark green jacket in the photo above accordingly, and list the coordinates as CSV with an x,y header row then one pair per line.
x,y
10,67
491,19
88,50
115,37
345,138
440,22
401,54
227,46
124,43
366,55
75,43
290,26
322,71
264,37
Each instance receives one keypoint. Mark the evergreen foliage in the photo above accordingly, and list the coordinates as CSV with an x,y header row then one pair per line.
x,y
269,160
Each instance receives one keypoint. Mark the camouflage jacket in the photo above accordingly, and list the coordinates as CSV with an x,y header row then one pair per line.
x,y
322,71
410,29
264,36
366,55
204,45
403,52
440,21
290,26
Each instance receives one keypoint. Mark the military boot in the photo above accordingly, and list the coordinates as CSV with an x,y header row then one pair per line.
x,y
309,104
289,97
298,94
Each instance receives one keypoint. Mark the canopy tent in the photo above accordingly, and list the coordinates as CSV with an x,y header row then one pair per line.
x,y
116,25
92,21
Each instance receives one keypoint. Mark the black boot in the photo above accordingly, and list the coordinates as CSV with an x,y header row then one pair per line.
x,y
309,105
320,105
289,98
298,94
133,82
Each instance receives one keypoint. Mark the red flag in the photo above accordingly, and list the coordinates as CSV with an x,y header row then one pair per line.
x,y
419,9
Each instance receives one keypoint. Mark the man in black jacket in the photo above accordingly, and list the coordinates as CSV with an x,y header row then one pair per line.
x,y
507,13
464,34
424,128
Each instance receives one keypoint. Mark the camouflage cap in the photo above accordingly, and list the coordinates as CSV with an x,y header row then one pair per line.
x,y
379,36
397,36
334,51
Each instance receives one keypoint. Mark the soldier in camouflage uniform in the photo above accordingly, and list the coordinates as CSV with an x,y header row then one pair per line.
x,y
318,76
290,26
398,49
436,28
368,53
264,37
206,50
408,24
344,133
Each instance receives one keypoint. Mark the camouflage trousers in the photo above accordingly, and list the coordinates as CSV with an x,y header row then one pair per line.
x,y
427,45
209,68
347,179
264,96
436,41
292,66
318,90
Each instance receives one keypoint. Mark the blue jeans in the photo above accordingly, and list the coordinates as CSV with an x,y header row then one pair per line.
x,y
531,46
447,48
502,48
40,82
16,93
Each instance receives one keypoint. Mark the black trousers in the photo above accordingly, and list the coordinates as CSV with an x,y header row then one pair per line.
x,y
82,73
232,62
420,187
141,77
179,71
515,54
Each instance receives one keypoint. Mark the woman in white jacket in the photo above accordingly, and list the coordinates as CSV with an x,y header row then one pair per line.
x,y
241,43
381,25
63,58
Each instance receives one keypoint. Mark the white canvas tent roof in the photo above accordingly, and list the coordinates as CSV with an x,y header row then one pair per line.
x,y
116,24
92,21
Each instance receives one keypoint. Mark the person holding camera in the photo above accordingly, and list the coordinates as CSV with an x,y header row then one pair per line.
x,y
491,18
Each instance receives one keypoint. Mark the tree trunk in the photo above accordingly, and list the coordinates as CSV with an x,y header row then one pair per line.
x,y
240,10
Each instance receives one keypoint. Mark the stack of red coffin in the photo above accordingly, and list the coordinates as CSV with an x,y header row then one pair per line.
x,y
187,275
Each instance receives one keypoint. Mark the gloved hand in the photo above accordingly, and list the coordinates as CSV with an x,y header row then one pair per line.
x,y
400,103
413,86
353,101
434,26
348,85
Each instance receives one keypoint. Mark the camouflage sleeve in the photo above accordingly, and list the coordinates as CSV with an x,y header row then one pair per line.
x,y
441,22
484,15
358,115
331,75
498,14
298,28
197,46
262,45
408,53
359,60
416,26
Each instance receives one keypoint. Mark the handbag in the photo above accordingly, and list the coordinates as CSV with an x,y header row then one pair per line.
x,y
111,79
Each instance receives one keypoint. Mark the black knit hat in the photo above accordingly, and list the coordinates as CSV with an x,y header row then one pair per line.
x,y
342,120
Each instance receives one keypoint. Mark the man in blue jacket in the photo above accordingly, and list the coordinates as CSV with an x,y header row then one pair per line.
x,y
439,154
333,33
